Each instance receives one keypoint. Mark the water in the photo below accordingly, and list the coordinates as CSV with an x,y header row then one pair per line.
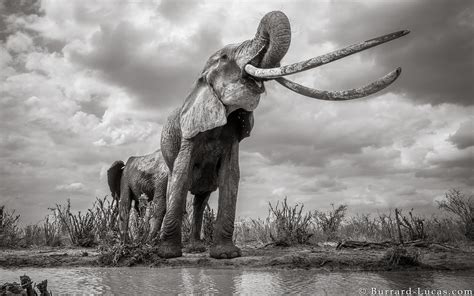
x,y
152,281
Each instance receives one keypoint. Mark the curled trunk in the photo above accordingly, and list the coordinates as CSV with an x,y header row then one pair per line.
x,y
274,35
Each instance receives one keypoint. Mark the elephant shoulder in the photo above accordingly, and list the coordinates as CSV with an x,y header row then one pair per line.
x,y
172,124
171,137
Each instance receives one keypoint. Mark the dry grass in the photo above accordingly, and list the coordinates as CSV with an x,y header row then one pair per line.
x,y
253,231
368,228
289,226
285,225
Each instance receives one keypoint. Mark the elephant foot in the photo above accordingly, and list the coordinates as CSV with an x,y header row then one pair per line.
x,y
225,251
197,246
169,250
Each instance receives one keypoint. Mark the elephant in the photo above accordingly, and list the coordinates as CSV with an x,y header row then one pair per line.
x,y
147,174
200,139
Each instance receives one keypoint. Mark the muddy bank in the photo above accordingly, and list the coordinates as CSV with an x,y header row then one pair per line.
x,y
49,257
307,257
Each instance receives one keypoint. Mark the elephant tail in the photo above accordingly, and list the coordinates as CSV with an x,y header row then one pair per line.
x,y
114,175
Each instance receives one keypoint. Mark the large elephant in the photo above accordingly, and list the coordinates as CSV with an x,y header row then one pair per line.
x,y
200,140
147,174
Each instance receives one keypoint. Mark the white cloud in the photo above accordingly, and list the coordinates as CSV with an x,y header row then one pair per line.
x,y
92,82
19,42
73,187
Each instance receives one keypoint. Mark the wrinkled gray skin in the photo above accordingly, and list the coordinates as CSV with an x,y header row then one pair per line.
x,y
146,174
200,140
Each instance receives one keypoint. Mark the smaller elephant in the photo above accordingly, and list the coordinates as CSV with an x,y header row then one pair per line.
x,y
147,174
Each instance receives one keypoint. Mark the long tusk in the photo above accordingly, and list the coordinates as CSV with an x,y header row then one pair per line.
x,y
321,60
342,95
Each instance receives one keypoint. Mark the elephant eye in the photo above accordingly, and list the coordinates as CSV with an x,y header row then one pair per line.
x,y
224,57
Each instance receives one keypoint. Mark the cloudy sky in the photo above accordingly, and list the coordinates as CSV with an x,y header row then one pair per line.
x,y
84,83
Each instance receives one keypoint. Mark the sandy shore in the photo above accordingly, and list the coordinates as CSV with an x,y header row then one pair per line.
x,y
308,257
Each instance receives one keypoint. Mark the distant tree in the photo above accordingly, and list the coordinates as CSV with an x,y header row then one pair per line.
x,y
462,206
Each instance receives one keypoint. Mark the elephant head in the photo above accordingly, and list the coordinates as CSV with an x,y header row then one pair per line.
x,y
224,86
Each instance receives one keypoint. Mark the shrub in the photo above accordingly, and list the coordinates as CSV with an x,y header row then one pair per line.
x,y
362,227
10,233
52,232
106,214
33,236
444,230
400,256
331,221
140,224
461,206
284,226
388,226
414,226
79,227
208,220
253,231
186,222
291,225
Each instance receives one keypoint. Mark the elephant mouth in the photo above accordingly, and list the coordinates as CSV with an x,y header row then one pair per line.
x,y
254,84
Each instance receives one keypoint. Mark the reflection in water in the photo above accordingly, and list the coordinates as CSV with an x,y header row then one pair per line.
x,y
142,280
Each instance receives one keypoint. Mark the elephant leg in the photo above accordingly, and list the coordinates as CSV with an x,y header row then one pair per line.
x,y
159,207
199,204
170,246
124,211
229,175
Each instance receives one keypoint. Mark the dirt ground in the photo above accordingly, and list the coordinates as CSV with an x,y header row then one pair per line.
x,y
308,257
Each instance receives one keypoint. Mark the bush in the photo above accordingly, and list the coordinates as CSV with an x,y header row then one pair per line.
x,y
79,227
33,236
253,231
291,225
444,230
140,222
186,222
106,213
400,256
208,220
284,226
366,228
461,206
330,222
414,225
10,233
52,232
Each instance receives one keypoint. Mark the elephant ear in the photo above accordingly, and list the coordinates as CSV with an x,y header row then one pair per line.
x,y
201,111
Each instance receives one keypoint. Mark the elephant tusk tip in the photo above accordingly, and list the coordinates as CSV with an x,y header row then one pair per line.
x,y
404,32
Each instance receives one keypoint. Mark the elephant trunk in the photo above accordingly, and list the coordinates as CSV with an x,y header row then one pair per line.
x,y
272,40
